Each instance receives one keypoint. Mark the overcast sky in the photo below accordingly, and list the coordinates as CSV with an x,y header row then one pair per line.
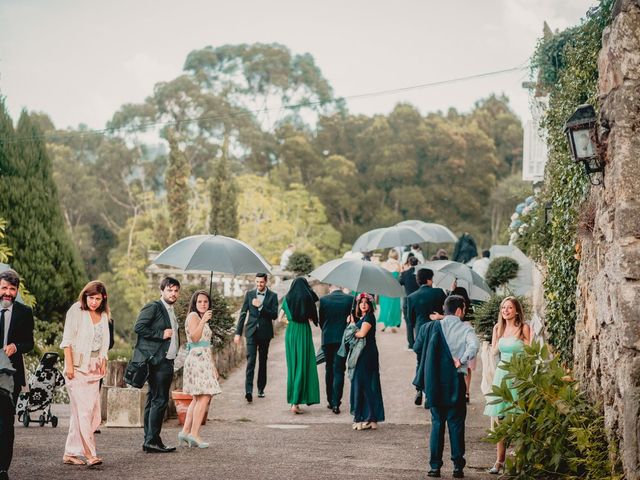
x,y
80,60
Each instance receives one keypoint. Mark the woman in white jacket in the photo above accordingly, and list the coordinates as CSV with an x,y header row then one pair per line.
x,y
85,342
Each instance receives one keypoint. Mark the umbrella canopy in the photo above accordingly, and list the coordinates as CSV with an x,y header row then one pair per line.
x,y
446,271
388,237
523,283
215,253
359,276
435,232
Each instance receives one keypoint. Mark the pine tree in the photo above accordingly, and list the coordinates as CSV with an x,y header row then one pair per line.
x,y
177,184
223,219
43,254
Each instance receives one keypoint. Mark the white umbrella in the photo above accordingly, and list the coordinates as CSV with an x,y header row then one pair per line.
x,y
523,283
359,276
388,237
447,271
435,232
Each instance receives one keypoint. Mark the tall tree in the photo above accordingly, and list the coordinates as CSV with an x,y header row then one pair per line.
x,y
42,251
223,188
177,184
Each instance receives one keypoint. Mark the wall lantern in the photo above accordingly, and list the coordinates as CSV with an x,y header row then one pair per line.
x,y
580,129
547,213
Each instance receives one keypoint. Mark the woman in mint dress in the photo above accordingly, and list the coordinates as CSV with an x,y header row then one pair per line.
x,y
510,334
390,307
299,308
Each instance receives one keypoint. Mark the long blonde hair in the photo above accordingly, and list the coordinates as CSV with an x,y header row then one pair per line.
x,y
519,320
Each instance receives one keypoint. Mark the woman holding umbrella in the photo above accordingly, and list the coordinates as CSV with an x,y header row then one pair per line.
x,y
298,308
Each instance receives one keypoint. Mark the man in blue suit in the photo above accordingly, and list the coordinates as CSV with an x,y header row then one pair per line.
x,y
421,304
334,310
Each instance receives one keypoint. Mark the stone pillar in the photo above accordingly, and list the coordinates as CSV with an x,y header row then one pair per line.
x,y
607,344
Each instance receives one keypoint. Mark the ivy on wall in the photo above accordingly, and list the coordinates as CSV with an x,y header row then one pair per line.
x,y
566,64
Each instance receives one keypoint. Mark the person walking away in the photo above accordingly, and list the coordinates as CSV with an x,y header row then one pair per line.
x,y
367,406
510,335
420,305
390,307
410,283
445,348
85,341
334,311
298,309
261,305
200,376
158,341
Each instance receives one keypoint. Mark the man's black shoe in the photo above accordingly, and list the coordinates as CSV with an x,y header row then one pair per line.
x,y
155,448
4,475
458,473
249,397
161,444
336,410
260,393
434,473
418,400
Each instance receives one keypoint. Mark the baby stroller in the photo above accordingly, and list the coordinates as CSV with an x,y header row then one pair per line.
x,y
42,385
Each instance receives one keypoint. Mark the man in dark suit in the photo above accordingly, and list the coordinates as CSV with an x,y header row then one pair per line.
x,y
262,306
157,329
334,310
410,283
16,327
421,304
7,414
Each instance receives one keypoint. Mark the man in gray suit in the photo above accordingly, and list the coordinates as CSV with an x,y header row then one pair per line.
x,y
158,340
334,310
262,306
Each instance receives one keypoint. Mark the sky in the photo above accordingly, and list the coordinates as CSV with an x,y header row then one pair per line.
x,y
80,60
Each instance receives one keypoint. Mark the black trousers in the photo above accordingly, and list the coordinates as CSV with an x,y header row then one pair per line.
x,y
7,412
160,377
410,325
454,416
257,349
334,373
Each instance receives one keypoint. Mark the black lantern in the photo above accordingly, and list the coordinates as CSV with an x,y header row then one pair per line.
x,y
547,213
581,134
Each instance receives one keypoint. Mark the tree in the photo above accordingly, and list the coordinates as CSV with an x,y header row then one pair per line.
x,y
177,184
43,253
223,217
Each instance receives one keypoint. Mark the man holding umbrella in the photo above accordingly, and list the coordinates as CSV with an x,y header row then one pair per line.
x,y
262,306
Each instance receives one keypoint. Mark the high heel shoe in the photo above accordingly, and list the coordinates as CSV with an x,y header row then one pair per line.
x,y
497,468
183,437
364,426
295,409
193,442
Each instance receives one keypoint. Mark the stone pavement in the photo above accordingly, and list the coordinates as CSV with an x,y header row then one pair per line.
x,y
264,440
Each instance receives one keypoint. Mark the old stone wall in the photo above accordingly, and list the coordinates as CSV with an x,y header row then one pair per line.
x,y
607,345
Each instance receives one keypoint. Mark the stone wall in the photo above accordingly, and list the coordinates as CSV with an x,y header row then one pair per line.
x,y
607,344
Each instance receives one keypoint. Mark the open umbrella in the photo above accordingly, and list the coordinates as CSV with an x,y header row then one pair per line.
x,y
435,232
359,276
388,237
446,271
523,283
215,253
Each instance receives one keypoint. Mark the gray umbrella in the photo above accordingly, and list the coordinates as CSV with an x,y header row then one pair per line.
x,y
388,237
446,271
215,253
434,231
359,276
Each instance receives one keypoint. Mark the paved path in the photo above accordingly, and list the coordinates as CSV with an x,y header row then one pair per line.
x,y
265,441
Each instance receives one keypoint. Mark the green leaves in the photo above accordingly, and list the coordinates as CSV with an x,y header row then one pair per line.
x,y
500,271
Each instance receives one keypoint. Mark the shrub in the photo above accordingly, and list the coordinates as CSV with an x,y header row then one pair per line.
x,y
500,271
556,432
300,263
485,314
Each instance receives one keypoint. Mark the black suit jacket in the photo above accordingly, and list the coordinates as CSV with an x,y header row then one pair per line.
x,y
20,334
409,282
152,321
334,310
260,323
424,302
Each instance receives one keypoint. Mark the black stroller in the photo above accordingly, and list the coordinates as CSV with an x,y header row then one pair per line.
x,y
42,385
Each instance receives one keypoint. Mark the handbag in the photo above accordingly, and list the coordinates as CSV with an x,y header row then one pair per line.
x,y
136,373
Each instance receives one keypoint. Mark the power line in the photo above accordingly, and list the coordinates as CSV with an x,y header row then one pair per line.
x,y
144,126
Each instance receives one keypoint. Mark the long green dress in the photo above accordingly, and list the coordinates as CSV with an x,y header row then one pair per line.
x,y
508,346
303,386
390,309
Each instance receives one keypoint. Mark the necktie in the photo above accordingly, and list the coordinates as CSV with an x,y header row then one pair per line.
x,y
2,327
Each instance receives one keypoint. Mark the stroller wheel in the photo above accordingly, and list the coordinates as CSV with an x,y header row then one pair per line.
x,y
42,420
25,419
54,421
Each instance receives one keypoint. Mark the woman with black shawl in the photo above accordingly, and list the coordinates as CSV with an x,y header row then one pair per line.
x,y
299,307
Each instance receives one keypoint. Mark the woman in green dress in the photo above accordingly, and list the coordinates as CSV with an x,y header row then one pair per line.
x,y
299,308
510,335
390,307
